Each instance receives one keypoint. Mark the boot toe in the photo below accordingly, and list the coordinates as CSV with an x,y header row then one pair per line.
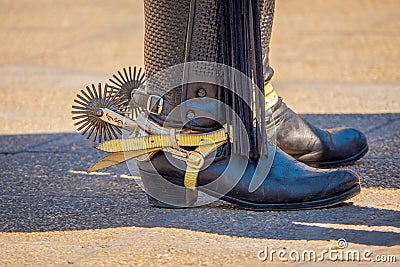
x,y
353,137
361,139
341,181
343,147
349,143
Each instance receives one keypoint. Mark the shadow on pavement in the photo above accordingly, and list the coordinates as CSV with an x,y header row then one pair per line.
x,y
43,189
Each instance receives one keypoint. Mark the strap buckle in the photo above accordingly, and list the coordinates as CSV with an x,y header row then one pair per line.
x,y
193,159
158,101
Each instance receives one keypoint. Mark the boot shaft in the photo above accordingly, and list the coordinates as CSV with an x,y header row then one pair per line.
x,y
227,32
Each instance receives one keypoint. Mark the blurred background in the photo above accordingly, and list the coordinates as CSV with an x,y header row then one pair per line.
x,y
330,57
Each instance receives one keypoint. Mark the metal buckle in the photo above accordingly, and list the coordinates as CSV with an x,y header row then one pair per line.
x,y
158,100
193,159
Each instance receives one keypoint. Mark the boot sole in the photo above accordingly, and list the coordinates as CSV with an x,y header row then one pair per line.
x,y
339,163
315,204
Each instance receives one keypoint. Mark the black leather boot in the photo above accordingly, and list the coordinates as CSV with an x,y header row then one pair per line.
x,y
299,138
289,185
252,181
313,146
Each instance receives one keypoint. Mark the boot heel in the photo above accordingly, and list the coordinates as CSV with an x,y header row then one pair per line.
x,y
162,192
